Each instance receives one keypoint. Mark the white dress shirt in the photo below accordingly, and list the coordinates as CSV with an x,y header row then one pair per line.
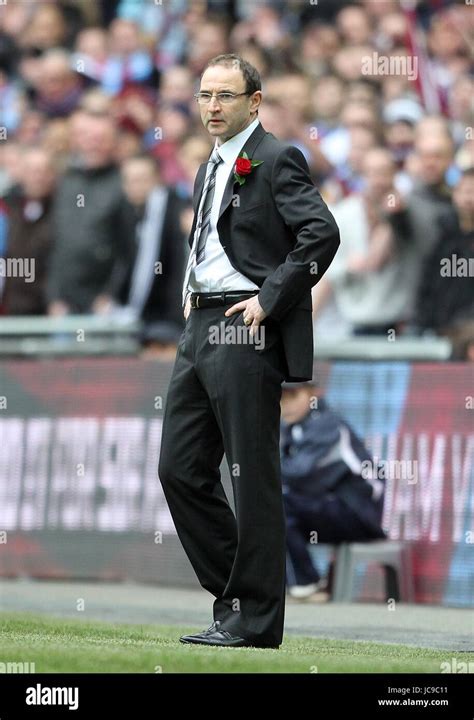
x,y
216,273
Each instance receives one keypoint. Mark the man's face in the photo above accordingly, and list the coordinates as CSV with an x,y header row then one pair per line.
x,y
99,140
435,154
138,180
56,79
378,173
296,404
226,120
37,174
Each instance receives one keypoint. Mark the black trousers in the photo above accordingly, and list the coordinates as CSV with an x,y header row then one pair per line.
x,y
224,397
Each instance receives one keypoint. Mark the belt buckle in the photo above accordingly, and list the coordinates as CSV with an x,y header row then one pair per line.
x,y
196,300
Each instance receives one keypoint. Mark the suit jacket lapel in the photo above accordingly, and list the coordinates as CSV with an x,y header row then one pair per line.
x,y
249,147
198,188
200,177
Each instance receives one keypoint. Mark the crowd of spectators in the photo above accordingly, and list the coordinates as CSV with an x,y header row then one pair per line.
x,y
101,140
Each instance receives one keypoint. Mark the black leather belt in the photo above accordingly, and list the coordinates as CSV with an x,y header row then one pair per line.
x,y
206,300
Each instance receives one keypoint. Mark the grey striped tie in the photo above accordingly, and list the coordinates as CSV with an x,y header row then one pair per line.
x,y
206,206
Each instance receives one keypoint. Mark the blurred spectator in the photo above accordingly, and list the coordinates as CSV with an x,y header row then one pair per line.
x,y
401,117
372,274
58,87
176,86
12,102
96,102
164,23
460,107
327,99
173,123
331,492
56,140
11,21
391,30
32,127
46,29
129,143
348,61
449,41
91,53
319,43
446,295
430,199
209,38
256,56
138,63
348,178
133,109
378,9
363,90
281,119
29,234
194,151
92,229
354,25
10,168
336,144
129,60
293,91
154,285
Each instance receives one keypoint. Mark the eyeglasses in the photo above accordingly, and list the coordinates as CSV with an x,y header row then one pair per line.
x,y
223,98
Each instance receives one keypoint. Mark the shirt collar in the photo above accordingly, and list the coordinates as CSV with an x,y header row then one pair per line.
x,y
232,147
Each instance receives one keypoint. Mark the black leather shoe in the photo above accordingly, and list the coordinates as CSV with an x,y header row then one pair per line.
x,y
221,638
215,636
204,633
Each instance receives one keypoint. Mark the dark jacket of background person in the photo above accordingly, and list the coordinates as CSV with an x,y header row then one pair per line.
x,y
163,303
29,236
324,456
427,207
445,299
92,243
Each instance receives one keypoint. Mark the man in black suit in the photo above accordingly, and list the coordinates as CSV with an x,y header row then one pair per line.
x,y
261,238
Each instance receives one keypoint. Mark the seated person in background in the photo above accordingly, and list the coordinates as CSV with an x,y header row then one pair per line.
x,y
330,490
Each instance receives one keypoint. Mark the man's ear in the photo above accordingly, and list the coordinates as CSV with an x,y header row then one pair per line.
x,y
256,109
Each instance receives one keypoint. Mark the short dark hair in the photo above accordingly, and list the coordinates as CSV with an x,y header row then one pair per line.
x,y
250,74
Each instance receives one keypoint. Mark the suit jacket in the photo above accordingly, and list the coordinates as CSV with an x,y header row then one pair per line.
x,y
163,303
277,231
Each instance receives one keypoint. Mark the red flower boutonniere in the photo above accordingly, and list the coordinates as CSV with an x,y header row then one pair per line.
x,y
243,167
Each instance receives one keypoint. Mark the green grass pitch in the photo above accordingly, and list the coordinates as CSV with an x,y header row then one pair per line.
x,y
58,645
